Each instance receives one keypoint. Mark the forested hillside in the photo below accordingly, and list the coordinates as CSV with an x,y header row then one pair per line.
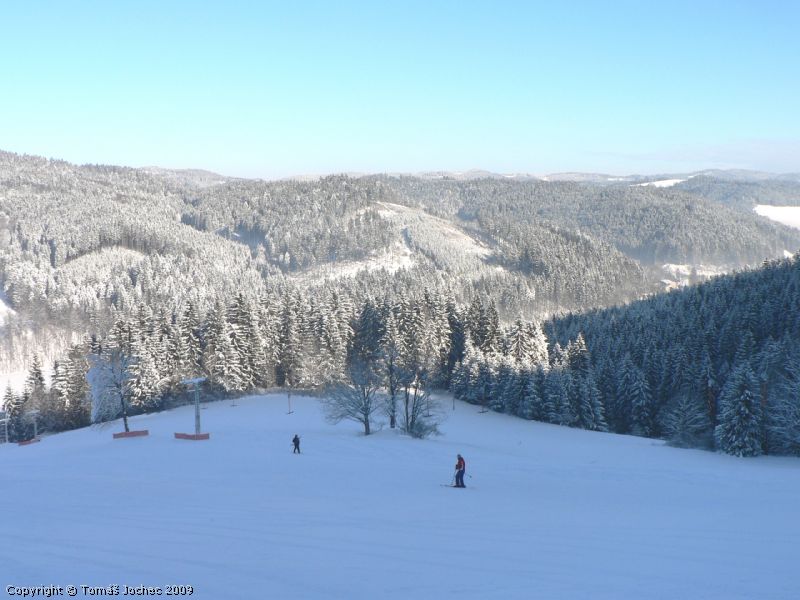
x,y
721,358
710,366
744,195
148,276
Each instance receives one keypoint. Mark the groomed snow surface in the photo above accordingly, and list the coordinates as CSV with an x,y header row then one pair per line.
x,y
549,512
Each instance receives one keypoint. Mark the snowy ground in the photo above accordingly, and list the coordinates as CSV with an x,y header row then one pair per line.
x,y
788,215
5,308
397,256
660,183
549,512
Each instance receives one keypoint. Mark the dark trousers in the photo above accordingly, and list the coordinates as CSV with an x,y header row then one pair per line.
x,y
460,478
296,449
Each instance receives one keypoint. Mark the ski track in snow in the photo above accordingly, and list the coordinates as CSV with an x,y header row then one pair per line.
x,y
555,512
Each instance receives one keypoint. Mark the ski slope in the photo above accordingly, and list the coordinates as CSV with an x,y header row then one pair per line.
x,y
549,512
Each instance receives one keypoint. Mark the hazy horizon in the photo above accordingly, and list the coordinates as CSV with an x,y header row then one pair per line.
x,y
467,173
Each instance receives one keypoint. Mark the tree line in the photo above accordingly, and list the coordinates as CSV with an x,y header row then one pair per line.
x,y
713,366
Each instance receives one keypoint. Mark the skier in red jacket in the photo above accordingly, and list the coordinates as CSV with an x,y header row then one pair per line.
x,y
461,467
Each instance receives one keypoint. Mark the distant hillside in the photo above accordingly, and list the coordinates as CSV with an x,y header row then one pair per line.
x,y
188,177
80,245
743,195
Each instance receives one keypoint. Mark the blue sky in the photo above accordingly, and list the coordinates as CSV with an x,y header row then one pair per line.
x,y
265,89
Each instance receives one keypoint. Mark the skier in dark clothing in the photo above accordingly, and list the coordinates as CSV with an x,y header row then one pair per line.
x,y
296,442
461,467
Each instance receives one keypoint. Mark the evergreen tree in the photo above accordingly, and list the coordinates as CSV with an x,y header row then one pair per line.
x,y
189,347
739,429
144,381
518,343
514,391
491,331
243,346
537,342
501,381
38,398
783,416
457,342
634,403
590,410
15,408
531,405
557,384
475,323
687,424
584,396
71,388
291,354
483,382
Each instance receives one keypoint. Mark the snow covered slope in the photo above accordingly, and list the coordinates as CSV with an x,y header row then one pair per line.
x,y
660,183
549,512
787,215
5,308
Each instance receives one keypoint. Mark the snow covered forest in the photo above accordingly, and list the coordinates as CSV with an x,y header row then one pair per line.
x,y
535,298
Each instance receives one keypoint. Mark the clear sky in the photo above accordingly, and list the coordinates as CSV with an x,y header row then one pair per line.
x,y
266,89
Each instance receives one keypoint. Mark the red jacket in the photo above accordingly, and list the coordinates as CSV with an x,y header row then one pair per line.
x,y
460,465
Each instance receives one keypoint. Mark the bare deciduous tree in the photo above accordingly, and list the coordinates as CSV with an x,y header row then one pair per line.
x,y
357,399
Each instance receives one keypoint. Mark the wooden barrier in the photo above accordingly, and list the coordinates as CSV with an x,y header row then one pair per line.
x,y
192,436
128,434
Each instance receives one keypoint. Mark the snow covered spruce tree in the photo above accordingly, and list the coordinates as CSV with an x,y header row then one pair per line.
x,y
739,431
633,406
585,400
187,345
533,404
220,358
38,399
457,341
783,415
418,358
499,392
687,423
292,353
15,407
71,390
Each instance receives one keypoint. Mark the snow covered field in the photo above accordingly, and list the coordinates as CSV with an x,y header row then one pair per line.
x,y
661,183
5,309
788,215
549,512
